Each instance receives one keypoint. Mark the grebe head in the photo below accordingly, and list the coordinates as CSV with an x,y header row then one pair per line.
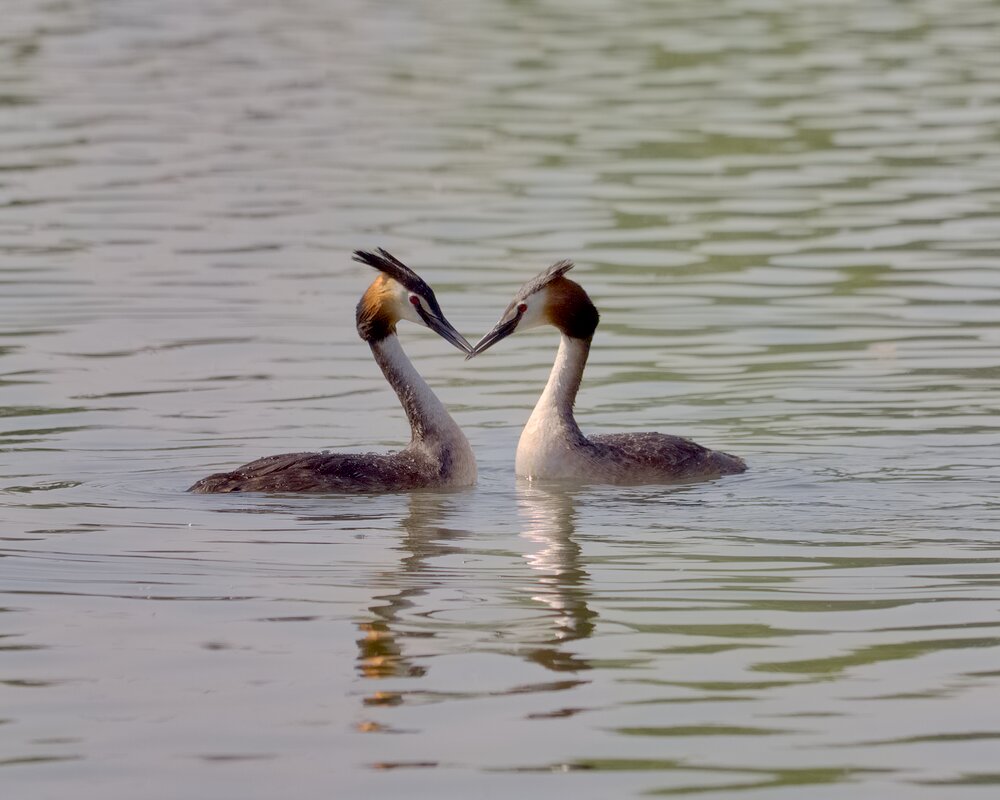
x,y
550,298
398,293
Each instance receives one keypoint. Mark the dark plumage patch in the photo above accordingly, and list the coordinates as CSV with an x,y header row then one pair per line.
x,y
652,457
327,472
570,308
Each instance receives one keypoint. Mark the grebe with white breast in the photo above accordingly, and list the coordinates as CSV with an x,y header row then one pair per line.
x,y
552,446
438,455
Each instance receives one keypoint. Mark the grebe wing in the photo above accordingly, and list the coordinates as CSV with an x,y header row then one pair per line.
x,y
671,455
323,472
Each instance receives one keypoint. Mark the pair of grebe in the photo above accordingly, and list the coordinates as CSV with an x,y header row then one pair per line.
x,y
552,446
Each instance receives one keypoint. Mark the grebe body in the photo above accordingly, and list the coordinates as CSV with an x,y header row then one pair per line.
x,y
552,446
438,454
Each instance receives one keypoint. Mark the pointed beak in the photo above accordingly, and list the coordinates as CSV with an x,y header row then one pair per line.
x,y
501,330
446,331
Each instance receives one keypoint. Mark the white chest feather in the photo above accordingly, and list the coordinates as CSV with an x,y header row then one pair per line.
x,y
546,449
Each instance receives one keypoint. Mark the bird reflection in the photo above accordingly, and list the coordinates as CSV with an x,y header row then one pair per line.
x,y
549,521
380,651
560,584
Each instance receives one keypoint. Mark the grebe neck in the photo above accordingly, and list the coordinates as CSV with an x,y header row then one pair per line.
x,y
429,420
556,402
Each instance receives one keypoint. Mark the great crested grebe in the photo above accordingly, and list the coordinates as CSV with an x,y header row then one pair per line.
x,y
552,444
438,454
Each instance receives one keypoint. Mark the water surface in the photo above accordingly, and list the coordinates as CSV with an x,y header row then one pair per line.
x,y
789,216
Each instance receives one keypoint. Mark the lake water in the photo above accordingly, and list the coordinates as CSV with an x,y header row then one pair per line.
x,y
789,216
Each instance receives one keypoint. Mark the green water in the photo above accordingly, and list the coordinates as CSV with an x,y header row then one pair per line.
x,y
789,216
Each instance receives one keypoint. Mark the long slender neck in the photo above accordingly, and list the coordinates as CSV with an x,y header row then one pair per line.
x,y
564,382
429,419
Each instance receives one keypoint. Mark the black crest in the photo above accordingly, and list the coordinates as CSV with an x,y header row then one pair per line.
x,y
387,263
543,279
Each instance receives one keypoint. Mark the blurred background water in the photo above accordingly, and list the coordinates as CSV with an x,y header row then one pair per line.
x,y
789,216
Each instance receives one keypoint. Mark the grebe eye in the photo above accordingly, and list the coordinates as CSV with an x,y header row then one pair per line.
x,y
415,300
522,307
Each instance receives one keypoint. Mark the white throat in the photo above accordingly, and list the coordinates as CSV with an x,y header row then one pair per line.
x,y
552,441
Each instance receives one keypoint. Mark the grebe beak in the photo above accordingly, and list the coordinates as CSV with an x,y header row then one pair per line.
x,y
445,330
503,329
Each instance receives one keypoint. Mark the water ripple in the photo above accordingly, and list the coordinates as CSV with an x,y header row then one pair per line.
x,y
788,216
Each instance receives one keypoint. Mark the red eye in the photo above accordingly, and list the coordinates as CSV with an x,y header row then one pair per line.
x,y
414,300
522,307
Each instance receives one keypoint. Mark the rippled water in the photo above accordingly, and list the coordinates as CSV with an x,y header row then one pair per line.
x,y
789,215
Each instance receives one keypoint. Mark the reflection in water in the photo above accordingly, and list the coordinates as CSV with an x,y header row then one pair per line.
x,y
549,515
381,653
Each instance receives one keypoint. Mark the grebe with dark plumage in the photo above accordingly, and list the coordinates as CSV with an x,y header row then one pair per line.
x,y
552,446
438,454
